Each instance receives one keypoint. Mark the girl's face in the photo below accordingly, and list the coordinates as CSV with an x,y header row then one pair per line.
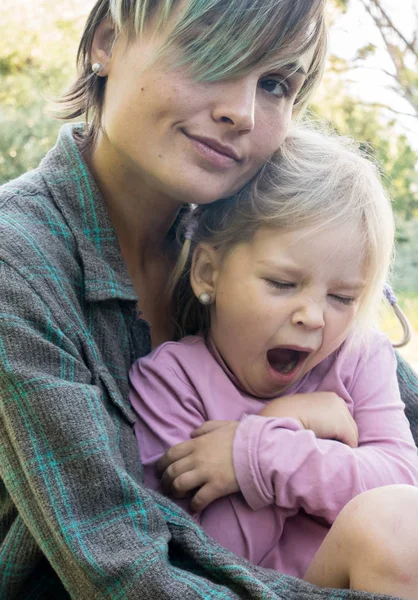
x,y
188,140
283,302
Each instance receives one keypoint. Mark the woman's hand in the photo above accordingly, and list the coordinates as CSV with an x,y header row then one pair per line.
x,y
325,413
204,462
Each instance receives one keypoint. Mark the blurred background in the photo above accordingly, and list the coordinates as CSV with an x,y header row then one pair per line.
x,y
370,91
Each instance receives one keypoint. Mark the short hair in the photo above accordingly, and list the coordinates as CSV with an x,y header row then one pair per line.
x,y
313,180
219,39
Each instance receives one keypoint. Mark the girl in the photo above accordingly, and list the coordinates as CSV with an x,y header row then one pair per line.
x,y
277,286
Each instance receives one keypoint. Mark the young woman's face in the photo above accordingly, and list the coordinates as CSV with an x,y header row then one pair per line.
x,y
285,301
191,141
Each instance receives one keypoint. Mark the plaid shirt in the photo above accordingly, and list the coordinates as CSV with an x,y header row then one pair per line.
x,y
75,520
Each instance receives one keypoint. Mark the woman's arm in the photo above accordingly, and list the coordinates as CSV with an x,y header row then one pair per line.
x,y
60,456
296,469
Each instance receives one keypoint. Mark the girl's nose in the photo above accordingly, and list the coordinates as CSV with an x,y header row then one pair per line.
x,y
310,315
236,104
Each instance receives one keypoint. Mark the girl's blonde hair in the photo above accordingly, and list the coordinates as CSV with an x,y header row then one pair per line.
x,y
218,39
314,180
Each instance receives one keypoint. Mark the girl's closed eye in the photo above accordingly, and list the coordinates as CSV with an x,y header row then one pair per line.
x,y
346,300
280,285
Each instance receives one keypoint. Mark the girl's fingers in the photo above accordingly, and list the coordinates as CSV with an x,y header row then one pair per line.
x,y
185,483
175,470
353,434
207,428
349,435
173,455
204,496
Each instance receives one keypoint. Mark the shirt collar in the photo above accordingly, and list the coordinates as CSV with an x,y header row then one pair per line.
x,y
77,196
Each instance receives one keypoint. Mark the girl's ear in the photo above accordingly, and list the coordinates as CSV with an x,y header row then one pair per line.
x,y
204,270
102,46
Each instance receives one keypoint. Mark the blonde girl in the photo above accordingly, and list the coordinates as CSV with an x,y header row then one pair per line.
x,y
289,393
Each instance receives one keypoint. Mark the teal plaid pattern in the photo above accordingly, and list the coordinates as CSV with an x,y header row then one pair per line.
x,y
75,520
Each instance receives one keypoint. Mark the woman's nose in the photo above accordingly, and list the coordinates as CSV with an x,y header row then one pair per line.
x,y
236,105
310,315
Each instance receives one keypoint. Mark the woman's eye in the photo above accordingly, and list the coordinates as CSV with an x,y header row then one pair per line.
x,y
279,285
275,86
347,300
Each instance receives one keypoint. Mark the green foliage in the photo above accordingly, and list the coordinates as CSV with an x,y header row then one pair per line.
x,y
406,265
341,4
380,137
25,140
366,51
31,73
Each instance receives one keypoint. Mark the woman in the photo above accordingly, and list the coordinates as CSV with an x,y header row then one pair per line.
x,y
188,99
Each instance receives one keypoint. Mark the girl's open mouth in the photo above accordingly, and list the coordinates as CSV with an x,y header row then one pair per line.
x,y
286,361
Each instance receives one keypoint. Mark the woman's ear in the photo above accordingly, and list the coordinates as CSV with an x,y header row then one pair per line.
x,y
102,46
204,271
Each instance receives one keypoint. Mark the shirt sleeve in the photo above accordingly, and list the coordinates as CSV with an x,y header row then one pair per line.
x,y
168,410
104,534
289,466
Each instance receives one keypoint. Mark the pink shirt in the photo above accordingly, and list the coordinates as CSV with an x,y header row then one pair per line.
x,y
293,485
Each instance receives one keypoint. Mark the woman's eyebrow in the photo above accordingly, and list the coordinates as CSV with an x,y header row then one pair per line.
x,y
294,68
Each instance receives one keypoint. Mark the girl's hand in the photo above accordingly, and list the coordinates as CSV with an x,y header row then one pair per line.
x,y
204,462
325,413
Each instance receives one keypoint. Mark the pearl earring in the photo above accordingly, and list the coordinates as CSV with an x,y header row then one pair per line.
x,y
205,298
96,68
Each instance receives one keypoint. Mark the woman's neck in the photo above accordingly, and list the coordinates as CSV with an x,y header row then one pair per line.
x,y
142,219
140,215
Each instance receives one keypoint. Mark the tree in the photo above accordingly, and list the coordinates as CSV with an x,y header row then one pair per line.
x,y
401,48
378,135
378,124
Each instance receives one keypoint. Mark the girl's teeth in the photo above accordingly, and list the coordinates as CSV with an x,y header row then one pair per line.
x,y
289,367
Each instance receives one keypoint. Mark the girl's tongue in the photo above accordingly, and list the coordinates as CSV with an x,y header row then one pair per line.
x,y
284,360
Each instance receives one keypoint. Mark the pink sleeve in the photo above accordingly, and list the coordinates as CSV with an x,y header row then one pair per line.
x,y
167,408
275,463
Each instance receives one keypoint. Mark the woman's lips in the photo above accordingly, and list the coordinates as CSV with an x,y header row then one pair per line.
x,y
218,155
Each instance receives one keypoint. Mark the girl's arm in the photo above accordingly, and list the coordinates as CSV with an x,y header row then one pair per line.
x,y
297,469
181,452
168,411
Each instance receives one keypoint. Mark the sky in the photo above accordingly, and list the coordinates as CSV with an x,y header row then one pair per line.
x,y
356,29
